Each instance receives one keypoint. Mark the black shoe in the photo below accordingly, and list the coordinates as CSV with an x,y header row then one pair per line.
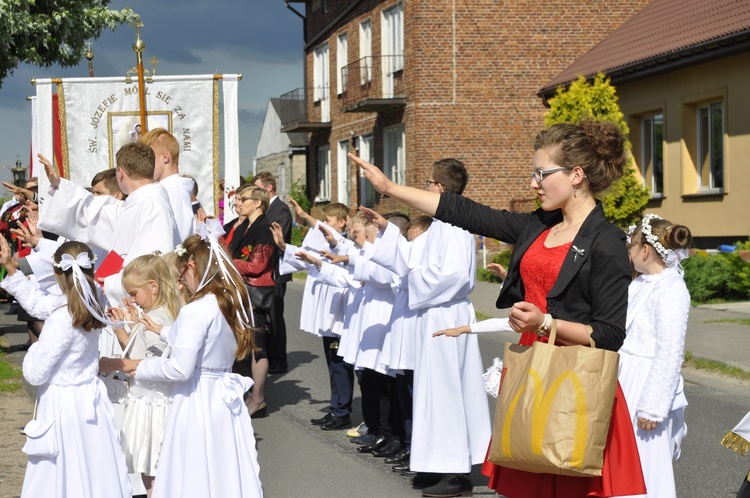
x,y
322,420
364,439
401,467
450,485
337,423
13,309
408,473
425,479
277,369
379,442
399,458
389,449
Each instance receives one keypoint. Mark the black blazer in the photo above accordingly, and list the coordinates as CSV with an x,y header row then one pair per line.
x,y
592,286
279,212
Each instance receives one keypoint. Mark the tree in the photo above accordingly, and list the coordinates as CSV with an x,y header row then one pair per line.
x,y
47,32
582,100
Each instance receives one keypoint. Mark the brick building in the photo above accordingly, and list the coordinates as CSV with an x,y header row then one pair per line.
x,y
408,82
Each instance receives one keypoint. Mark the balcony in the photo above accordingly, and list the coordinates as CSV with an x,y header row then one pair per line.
x,y
293,111
374,84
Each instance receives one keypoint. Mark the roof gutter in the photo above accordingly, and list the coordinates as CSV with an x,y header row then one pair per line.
x,y
663,63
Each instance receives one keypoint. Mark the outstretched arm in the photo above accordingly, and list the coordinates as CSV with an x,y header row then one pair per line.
x,y
426,202
301,214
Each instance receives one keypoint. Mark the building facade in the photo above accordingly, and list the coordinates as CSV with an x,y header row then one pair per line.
x,y
405,83
684,91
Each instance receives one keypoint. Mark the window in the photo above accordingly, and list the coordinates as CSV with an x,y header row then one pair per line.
x,y
652,164
324,174
394,155
392,46
343,172
365,51
321,85
710,146
341,60
367,194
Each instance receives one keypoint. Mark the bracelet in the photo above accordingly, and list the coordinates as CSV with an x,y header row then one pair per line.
x,y
544,328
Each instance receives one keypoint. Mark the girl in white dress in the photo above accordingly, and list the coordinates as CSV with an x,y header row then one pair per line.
x,y
150,284
651,356
209,444
72,443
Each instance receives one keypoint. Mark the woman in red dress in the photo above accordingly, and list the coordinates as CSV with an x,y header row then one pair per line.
x,y
569,263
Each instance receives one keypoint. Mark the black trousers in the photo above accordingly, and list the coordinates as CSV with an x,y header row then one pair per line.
x,y
744,491
276,339
381,410
341,376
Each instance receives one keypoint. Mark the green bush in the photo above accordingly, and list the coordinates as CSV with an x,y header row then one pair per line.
x,y
743,245
503,258
583,100
298,235
717,277
298,192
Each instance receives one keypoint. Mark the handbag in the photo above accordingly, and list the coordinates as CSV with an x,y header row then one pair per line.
x,y
41,436
554,408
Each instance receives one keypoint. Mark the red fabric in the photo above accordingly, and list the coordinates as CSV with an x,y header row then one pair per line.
x,y
258,269
540,266
621,472
228,237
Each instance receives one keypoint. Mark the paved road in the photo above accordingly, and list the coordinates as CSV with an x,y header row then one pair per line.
x,y
299,460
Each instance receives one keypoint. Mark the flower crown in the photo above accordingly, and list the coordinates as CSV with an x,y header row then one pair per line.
x,y
671,257
180,251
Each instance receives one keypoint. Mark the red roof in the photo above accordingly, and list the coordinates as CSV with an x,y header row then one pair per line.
x,y
661,28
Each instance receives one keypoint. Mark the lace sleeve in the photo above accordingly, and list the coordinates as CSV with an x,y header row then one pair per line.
x,y
670,322
43,356
36,302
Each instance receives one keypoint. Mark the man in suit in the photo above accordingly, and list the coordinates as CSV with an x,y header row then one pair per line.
x,y
277,212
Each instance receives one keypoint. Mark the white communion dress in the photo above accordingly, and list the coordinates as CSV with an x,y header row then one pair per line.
x,y
209,444
64,362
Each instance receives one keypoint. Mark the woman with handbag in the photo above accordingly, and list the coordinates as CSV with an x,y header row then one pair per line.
x,y
569,270
253,251
72,443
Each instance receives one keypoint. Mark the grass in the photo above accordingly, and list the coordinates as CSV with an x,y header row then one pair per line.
x,y
741,321
481,316
714,366
10,376
299,275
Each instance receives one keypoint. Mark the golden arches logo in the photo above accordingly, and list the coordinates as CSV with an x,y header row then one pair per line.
x,y
541,409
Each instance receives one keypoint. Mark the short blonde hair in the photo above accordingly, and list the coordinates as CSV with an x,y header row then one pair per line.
x,y
160,139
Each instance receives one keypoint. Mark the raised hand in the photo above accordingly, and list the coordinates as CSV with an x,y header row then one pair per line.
x,y
201,215
29,238
373,173
454,332
15,190
278,236
308,258
497,269
52,174
332,242
149,324
6,259
374,218
301,214
335,258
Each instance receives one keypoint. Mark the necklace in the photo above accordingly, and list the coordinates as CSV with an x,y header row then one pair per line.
x,y
558,230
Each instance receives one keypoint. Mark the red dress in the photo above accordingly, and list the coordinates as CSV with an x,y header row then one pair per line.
x,y
621,471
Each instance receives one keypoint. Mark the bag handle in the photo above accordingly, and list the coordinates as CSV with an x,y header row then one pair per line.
x,y
553,334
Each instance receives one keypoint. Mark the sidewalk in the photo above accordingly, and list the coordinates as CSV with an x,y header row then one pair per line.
x,y
706,338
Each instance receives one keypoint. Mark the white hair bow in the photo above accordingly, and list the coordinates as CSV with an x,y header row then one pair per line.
x,y
210,232
84,290
674,258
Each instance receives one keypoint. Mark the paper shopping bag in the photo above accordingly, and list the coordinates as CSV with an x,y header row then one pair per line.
x,y
554,408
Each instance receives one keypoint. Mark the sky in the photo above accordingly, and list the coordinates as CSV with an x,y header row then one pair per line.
x,y
261,39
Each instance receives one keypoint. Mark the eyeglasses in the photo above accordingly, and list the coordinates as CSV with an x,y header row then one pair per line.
x,y
427,183
181,278
540,174
243,199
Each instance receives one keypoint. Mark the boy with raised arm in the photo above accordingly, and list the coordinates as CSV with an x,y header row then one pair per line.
x,y
451,425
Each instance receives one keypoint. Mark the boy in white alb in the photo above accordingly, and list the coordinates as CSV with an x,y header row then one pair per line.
x,y
451,425
179,188
140,225
322,310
